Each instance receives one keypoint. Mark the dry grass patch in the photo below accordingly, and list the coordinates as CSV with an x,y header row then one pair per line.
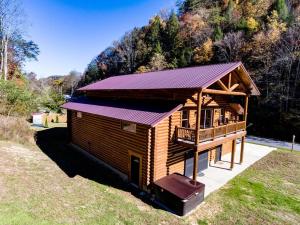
x,y
16,129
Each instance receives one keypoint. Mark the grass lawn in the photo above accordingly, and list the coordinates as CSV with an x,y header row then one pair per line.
x,y
50,184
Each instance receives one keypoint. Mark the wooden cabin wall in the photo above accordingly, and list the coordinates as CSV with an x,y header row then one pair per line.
x,y
104,138
168,155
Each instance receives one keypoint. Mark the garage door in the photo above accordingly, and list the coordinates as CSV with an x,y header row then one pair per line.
x,y
189,163
202,161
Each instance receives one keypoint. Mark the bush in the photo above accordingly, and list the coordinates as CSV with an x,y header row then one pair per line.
x,y
16,100
16,129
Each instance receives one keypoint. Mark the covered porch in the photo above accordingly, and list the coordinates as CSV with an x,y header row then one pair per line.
x,y
219,173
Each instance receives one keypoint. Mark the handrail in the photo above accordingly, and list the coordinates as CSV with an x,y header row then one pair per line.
x,y
188,134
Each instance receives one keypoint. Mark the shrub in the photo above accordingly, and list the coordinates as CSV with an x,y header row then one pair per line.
x,y
56,119
16,129
46,122
16,100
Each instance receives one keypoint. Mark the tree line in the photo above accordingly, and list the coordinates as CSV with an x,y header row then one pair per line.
x,y
263,34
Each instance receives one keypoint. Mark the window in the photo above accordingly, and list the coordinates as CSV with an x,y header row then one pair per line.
x,y
206,118
185,118
79,115
131,127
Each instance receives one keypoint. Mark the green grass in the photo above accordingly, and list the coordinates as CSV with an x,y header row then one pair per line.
x,y
266,193
35,190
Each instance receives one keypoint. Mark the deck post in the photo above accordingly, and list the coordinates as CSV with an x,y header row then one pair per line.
x,y
246,108
242,150
233,153
197,138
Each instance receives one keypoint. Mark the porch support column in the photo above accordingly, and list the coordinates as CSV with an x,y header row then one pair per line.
x,y
233,153
242,150
246,108
197,138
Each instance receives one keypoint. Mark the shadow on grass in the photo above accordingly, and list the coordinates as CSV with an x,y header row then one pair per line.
x,y
53,142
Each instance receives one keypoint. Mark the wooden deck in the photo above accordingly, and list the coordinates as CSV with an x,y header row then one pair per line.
x,y
188,135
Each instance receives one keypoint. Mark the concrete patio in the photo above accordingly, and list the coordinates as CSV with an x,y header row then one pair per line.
x,y
218,174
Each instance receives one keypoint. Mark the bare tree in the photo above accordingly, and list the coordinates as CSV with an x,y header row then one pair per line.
x,y
230,49
11,20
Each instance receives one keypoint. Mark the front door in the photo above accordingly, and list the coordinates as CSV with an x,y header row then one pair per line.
x,y
218,154
135,170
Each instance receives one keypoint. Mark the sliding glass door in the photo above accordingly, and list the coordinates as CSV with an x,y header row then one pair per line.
x,y
206,118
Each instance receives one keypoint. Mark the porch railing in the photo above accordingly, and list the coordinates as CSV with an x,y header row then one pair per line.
x,y
188,134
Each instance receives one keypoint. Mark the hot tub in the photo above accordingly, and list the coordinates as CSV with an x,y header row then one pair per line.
x,y
179,193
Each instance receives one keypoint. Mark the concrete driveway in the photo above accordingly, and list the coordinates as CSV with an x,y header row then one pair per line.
x,y
216,175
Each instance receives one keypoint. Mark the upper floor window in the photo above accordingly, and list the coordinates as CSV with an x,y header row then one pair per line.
x,y
127,126
185,118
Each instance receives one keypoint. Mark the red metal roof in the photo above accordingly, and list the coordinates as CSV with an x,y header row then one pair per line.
x,y
184,78
137,112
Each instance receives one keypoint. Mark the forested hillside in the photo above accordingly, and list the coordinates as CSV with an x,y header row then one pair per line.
x,y
263,34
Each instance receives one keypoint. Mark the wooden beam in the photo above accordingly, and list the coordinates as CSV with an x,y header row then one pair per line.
x,y
198,119
246,108
220,92
229,80
242,150
222,85
193,99
234,87
232,154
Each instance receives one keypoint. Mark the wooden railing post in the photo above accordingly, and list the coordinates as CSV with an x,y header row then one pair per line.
x,y
176,133
214,132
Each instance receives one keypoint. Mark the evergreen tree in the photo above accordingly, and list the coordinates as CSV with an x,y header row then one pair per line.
x,y
229,10
172,38
153,37
188,6
282,9
218,33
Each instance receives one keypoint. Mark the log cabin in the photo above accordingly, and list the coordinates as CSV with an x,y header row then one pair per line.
x,y
151,125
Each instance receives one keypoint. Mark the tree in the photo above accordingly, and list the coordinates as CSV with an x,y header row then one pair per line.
x,y
282,9
204,53
218,34
16,100
153,36
229,10
10,17
172,38
157,62
11,21
230,49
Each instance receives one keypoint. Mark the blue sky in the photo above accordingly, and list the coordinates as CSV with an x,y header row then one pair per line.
x,y
71,32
